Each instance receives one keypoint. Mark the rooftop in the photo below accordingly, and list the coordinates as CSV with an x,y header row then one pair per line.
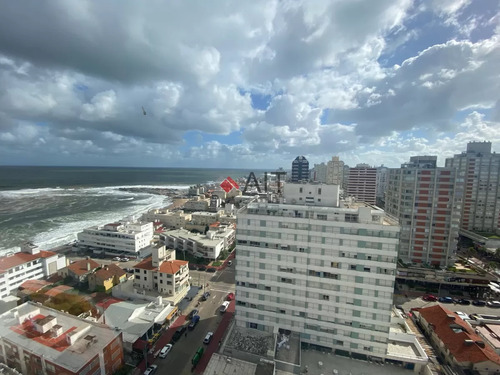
x,y
109,271
169,266
81,267
14,260
70,342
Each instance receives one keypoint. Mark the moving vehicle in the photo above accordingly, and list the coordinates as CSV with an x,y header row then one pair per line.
x,y
194,322
151,370
445,299
224,306
429,297
166,349
197,356
193,313
230,296
478,302
208,338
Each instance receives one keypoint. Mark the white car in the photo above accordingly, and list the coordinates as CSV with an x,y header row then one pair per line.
x,y
462,315
151,370
166,349
224,306
495,304
117,259
124,260
208,338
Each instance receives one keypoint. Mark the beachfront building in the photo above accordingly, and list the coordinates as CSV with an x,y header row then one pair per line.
x,y
162,273
479,184
106,277
30,263
197,204
126,237
319,267
169,219
423,197
38,340
208,245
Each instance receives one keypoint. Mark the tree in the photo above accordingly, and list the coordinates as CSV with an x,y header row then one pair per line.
x,y
471,251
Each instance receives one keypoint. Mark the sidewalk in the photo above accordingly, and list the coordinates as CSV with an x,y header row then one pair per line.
x,y
218,336
162,341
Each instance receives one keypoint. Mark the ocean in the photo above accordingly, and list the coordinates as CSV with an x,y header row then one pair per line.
x,y
50,205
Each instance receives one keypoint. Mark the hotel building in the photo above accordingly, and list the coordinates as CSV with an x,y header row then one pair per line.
x,y
30,263
319,267
423,197
38,340
479,184
125,236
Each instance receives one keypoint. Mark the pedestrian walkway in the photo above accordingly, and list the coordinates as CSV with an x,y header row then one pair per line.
x,y
217,339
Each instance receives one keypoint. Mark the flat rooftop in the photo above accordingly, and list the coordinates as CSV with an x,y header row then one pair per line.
x,y
251,341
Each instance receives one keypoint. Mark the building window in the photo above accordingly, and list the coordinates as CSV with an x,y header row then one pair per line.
x,y
301,190
326,298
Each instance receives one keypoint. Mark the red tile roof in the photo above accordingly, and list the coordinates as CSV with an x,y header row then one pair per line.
x,y
169,266
80,266
33,285
440,319
108,302
109,271
11,261
57,290
172,266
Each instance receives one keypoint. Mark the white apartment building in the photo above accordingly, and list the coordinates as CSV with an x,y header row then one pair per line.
x,y
163,273
200,245
197,204
479,185
326,272
30,263
169,219
124,236
382,183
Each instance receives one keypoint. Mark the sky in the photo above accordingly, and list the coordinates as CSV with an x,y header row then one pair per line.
x,y
246,84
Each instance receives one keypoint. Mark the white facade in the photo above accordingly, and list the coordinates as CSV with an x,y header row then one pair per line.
x,y
200,245
197,204
325,272
125,236
29,264
312,194
169,219
318,173
335,171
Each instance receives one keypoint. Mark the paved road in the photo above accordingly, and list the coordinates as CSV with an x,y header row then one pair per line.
x,y
179,359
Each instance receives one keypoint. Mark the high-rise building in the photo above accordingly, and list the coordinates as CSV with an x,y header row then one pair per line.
x,y
300,169
422,196
324,270
362,183
382,181
479,184
318,173
335,171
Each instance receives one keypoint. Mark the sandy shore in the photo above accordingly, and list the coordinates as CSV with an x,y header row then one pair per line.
x,y
177,203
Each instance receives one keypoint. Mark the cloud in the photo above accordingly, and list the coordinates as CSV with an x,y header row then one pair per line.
x,y
74,77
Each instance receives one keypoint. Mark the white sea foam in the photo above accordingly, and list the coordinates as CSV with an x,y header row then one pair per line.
x,y
71,225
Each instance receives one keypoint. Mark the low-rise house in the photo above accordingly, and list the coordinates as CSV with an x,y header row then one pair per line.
x,y
29,264
106,277
163,273
457,342
38,340
79,270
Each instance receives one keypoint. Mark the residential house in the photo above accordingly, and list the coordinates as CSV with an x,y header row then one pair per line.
x,y
106,277
79,270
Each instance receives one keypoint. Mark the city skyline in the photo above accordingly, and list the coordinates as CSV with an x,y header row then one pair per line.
x,y
245,85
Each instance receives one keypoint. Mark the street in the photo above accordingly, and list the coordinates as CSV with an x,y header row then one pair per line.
x,y
179,358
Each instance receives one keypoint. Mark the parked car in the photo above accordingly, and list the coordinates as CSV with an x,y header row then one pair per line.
x,y
202,268
445,299
117,259
462,315
478,302
229,263
224,306
463,301
495,304
193,313
151,370
166,349
205,296
194,322
212,270
208,338
178,334
192,267
230,296
124,259
429,297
